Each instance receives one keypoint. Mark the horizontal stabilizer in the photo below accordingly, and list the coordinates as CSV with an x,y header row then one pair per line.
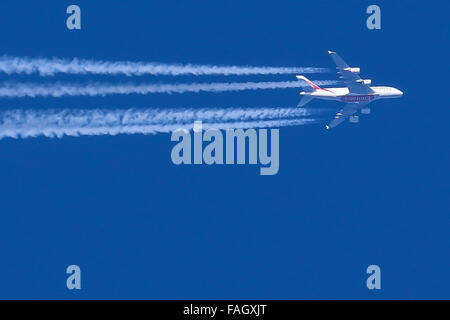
x,y
304,100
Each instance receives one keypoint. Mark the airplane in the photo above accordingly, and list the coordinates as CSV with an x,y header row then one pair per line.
x,y
357,95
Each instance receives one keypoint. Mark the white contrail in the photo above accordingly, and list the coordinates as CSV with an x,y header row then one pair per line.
x,y
45,67
100,89
77,122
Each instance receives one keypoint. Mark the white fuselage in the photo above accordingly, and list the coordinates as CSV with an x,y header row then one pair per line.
x,y
343,94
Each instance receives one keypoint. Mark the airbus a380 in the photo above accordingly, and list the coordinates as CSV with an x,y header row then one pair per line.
x,y
357,95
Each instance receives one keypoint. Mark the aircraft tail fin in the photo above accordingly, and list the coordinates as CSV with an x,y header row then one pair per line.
x,y
308,86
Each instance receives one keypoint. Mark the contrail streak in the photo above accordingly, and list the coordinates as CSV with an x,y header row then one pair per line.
x,y
99,89
72,122
46,67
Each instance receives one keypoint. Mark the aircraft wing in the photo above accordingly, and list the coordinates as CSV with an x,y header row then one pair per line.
x,y
353,81
347,111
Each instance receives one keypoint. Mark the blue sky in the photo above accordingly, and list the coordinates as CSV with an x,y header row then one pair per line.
x,y
142,228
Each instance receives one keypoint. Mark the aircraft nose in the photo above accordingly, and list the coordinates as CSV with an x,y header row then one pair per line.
x,y
400,92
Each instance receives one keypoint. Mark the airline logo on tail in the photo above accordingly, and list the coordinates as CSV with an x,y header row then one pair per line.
x,y
309,85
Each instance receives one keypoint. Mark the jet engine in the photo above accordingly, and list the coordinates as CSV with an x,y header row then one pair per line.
x,y
365,110
353,70
353,119
365,81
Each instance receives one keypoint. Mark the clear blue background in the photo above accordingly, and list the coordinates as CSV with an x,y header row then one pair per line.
x,y
141,227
